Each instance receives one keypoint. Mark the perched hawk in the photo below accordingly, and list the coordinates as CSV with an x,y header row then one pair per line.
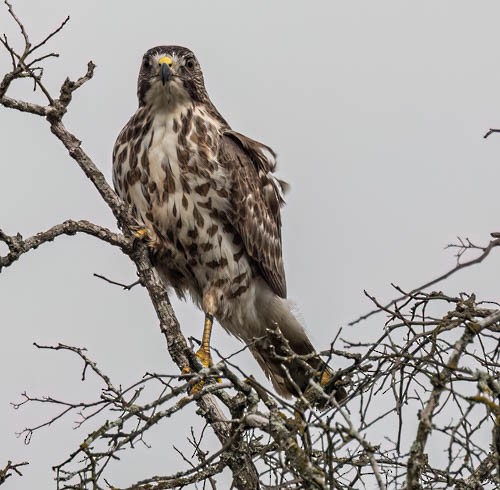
x,y
210,205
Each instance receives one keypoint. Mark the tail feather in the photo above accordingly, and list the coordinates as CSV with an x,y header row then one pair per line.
x,y
289,374
277,350
278,342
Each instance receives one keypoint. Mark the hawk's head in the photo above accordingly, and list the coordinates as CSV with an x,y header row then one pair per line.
x,y
170,75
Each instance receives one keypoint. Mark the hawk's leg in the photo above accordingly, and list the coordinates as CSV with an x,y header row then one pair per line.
x,y
210,306
203,353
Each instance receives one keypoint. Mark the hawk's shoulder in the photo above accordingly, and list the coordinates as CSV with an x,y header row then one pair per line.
x,y
256,198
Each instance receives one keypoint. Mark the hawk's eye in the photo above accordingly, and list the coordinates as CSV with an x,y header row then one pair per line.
x,y
146,64
189,63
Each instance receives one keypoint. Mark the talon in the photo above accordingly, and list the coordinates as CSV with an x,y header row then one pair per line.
x,y
326,376
141,233
330,385
205,357
324,379
198,386
206,360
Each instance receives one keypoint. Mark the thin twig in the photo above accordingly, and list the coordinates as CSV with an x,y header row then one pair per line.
x,y
433,282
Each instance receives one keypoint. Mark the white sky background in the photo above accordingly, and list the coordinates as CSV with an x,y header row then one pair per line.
x,y
377,112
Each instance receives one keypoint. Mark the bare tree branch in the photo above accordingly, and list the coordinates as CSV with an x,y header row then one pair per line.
x,y
477,260
435,355
9,469
241,465
19,246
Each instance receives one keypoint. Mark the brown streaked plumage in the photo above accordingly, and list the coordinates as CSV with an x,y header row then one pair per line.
x,y
208,199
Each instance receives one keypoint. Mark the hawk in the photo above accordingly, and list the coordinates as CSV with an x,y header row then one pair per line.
x,y
208,201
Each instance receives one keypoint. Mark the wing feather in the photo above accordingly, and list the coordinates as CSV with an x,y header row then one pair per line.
x,y
255,200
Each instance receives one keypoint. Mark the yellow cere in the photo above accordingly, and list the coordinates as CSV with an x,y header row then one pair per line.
x,y
166,60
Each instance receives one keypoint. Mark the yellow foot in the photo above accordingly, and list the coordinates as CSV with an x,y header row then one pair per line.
x,y
324,379
206,361
205,357
327,382
195,388
141,233
326,376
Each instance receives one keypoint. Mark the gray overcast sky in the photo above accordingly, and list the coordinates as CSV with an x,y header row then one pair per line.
x,y
376,110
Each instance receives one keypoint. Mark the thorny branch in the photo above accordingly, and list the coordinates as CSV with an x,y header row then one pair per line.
x,y
437,359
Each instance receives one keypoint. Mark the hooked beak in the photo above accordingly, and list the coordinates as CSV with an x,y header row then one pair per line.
x,y
165,71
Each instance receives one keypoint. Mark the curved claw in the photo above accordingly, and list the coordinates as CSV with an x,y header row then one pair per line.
x,y
206,360
326,376
141,233
205,357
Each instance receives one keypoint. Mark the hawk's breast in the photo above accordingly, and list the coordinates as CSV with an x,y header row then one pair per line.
x,y
179,192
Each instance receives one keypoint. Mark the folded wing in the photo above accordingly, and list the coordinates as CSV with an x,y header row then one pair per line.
x,y
255,200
